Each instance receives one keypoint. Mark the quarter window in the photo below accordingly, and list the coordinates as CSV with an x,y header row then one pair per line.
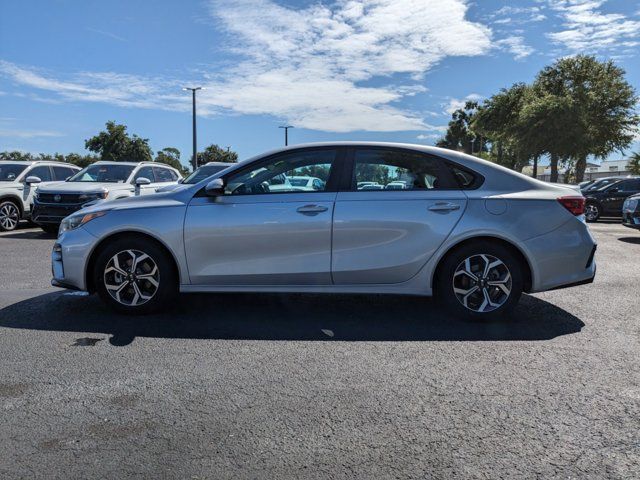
x,y
288,173
382,169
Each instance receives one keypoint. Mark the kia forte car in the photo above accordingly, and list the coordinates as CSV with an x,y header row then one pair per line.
x,y
472,233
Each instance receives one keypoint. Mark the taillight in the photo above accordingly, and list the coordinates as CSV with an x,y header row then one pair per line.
x,y
574,204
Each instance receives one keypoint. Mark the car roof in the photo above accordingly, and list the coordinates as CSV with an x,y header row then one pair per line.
x,y
217,164
132,164
33,162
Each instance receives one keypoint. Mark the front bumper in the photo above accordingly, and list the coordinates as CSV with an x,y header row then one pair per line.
x,y
52,214
69,259
631,219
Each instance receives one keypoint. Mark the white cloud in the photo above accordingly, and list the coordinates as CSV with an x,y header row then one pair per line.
x,y
307,66
587,29
457,103
29,133
340,67
516,46
517,15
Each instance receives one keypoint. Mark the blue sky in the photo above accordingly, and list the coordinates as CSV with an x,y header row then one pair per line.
x,y
389,70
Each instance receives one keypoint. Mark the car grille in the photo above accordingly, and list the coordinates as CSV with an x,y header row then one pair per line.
x,y
60,198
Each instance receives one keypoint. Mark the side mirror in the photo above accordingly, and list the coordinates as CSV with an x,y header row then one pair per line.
x,y
215,187
32,179
142,181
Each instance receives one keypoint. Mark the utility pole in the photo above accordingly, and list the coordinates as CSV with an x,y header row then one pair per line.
x,y
286,134
194,161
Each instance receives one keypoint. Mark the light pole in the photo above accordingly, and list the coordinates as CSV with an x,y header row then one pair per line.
x,y
286,134
195,143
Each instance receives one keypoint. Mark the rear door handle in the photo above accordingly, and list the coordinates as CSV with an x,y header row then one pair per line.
x,y
444,207
312,209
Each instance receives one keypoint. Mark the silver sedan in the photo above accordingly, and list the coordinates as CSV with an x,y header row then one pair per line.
x,y
472,233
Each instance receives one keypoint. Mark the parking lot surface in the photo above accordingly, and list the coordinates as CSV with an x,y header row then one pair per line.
x,y
311,386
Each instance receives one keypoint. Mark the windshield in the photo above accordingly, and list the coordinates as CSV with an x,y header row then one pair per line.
x,y
10,171
103,173
599,184
204,172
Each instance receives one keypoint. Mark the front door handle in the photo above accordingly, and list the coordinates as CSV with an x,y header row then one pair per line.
x,y
444,207
312,209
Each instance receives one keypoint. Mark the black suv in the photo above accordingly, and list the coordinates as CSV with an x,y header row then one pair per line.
x,y
608,200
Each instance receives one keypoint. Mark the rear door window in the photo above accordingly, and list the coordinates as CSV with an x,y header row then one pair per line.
x,y
390,169
62,173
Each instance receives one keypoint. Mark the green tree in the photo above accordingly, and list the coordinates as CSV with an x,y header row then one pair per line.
x,y
81,160
171,156
16,156
116,145
214,153
460,135
634,163
593,106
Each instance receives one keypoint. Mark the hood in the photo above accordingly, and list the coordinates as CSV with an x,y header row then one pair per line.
x,y
143,201
82,187
10,185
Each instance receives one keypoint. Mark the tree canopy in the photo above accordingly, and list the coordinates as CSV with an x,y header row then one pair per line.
x,y
215,153
115,144
171,156
576,107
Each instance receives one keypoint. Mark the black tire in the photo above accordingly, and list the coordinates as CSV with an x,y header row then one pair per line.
x,y
477,252
9,215
52,229
592,212
167,277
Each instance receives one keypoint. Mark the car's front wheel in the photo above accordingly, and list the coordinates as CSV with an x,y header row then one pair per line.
x,y
481,280
135,276
9,216
592,212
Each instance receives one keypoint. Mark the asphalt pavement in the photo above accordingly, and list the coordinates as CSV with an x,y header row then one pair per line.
x,y
319,386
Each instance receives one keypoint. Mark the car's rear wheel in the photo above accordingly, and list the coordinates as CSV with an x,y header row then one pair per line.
x,y
135,276
481,280
592,212
9,216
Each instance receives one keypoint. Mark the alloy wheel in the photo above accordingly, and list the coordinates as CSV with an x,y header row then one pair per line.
x,y
131,277
591,212
482,283
9,216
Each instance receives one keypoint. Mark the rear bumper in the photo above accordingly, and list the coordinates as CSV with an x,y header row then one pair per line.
x,y
564,257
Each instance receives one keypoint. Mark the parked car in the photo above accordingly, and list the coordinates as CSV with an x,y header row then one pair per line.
x,y
99,181
603,182
18,183
306,183
199,174
631,212
476,238
608,200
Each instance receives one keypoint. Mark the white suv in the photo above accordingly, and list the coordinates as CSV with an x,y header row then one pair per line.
x,y
18,182
99,181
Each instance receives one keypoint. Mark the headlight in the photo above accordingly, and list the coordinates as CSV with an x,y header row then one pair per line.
x,y
89,197
74,221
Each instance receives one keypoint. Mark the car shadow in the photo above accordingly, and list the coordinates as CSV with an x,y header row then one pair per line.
x,y
29,235
289,317
634,240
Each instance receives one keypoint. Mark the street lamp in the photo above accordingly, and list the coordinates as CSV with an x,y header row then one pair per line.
x,y
286,134
193,91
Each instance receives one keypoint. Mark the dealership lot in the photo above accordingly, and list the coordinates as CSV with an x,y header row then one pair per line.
x,y
307,386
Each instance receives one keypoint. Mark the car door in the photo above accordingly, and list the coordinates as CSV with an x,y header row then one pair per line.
x,y
43,172
615,195
261,231
145,172
386,236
